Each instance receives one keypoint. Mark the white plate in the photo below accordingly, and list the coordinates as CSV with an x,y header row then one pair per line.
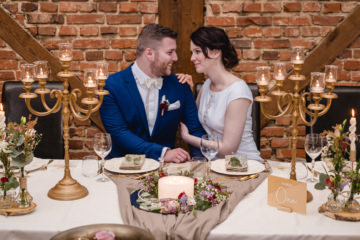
x,y
113,165
253,167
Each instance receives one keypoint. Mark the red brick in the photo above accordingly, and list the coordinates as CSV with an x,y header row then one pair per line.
x,y
348,6
85,65
344,75
77,132
356,43
127,31
285,55
78,55
310,31
78,155
266,153
123,43
327,20
75,144
243,21
272,7
4,54
47,31
346,53
260,43
67,31
13,8
89,31
128,7
300,143
231,7
86,44
108,30
301,131
248,66
108,6
89,144
308,44
252,7
123,19
272,32
251,54
87,7
5,76
299,21
253,32
292,32
29,7
272,132
331,7
234,32
279,142
94,56
2,43
286,153
355,76
352,65
249,78
220,21
281,21
113,55
113,67
292,7
325,31
48,7
241,43
90,132
311,6
124,65
85,19
52,44
8,64
284,121
356,53
149,18
130,55
20,18
261,21
271,55
45,18
215,8
149,8
68,7
263,142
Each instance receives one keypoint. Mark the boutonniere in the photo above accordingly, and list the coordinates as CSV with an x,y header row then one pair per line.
x,y
164,105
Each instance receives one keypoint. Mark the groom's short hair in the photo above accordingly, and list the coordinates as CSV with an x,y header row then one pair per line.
x,y
151,36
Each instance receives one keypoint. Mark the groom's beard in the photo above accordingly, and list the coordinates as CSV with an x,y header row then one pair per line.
x,y
161,68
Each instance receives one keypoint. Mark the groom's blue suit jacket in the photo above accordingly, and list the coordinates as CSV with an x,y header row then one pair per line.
x,y
123,115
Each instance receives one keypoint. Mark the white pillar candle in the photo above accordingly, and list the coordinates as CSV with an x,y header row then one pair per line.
x,y
172,186
352,136
2,117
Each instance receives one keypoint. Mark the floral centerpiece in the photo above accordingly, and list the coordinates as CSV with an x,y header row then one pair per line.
x,y
207,194
351,204
7,181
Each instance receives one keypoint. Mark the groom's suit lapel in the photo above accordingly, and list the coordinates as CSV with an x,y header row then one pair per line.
x,y
164,91
134,92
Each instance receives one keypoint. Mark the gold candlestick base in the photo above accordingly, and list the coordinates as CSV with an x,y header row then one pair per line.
x,y
67,189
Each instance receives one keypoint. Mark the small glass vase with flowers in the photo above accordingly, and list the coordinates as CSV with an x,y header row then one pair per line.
x,y
352,205
8,182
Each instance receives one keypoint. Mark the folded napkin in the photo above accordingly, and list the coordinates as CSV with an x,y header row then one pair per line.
x,y
183,226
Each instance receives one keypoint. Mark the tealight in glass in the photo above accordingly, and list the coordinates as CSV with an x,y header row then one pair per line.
x,y
65,54
102,70
27,73
90,78
279,71
331,73
41,69
298,55
262,75
317,82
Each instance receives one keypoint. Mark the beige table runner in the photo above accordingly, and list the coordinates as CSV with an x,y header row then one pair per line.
x,y
183,226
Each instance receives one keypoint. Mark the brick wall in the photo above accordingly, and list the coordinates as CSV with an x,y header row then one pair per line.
x,y
262,31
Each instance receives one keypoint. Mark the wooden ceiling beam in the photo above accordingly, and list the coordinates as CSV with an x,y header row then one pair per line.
x,y
325,53
24,44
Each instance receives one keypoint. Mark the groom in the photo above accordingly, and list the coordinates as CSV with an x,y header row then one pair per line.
x,y
146,102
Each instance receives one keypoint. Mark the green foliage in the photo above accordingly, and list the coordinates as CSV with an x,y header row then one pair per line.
x,y
321,184
235,162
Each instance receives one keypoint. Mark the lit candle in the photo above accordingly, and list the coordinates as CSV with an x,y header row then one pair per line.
x,y
41,74
352,136
262,81
330,78
317,88
65,58
279,75
28,78
298,60
2,117
172,186
90,82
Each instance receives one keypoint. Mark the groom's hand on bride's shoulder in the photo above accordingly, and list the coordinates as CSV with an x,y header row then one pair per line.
x,y
185,78
176,155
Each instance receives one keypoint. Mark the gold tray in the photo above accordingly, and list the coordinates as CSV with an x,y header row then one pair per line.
x,y
342,216
123,232
17,211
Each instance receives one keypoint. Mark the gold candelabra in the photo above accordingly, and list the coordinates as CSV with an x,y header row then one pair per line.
x,y
67,188
295,102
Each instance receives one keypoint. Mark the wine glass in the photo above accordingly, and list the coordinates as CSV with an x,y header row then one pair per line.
x,y
313,148
209,146
102,147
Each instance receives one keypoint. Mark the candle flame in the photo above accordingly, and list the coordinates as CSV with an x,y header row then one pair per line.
x,y
297,57
1,107
353,112
331,75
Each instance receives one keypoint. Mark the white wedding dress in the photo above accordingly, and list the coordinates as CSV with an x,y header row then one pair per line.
x,y
212,109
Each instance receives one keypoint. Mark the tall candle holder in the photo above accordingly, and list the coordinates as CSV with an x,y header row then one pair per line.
x,y
67,188
295,102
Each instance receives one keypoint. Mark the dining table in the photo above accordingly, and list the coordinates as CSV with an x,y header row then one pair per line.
x,y
251,219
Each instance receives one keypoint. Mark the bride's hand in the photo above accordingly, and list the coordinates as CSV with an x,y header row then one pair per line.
x,y
184,131
185,78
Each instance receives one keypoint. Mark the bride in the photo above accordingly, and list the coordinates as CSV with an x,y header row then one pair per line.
x,y
225,100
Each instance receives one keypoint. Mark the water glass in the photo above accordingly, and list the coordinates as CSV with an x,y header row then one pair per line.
x,y
199,166
102,147
209,146
313,148
90,166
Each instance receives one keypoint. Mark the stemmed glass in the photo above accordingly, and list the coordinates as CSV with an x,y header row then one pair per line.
x,y
102,147
313,148
209,146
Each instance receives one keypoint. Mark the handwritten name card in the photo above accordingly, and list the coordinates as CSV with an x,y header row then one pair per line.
x,y
287,194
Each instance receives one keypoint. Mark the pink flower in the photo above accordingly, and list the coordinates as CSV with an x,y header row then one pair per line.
x,y
4,179
104,235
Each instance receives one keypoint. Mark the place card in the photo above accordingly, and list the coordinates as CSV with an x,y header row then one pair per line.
x,y
286,194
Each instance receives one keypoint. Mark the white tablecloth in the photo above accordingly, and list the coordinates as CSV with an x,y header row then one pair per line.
x,y
251,219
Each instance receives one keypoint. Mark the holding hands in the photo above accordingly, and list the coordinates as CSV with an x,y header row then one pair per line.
x,y
177,155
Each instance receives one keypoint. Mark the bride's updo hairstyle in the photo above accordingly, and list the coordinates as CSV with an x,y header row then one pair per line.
x,y
215,38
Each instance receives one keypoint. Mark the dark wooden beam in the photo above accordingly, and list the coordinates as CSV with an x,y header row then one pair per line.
x,y
184,17
23,43
325,53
